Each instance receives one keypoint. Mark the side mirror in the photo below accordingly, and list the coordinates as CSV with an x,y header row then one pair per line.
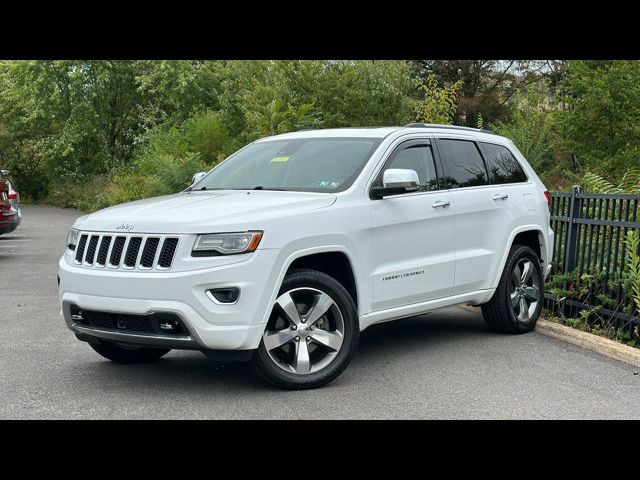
x,y
396,181
197,177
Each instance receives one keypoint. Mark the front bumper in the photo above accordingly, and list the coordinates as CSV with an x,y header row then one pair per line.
x,y
211,325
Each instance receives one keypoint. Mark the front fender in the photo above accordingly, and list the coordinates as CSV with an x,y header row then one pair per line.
x,y
298,250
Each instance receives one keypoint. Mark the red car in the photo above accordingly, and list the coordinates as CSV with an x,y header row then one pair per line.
x,y
9,216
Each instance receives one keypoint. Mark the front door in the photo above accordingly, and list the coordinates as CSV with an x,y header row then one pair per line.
x,y
413,244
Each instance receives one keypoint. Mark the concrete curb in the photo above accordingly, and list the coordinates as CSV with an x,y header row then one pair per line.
x,y
602,345
589,341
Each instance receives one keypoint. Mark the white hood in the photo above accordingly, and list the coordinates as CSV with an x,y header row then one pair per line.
x,y
208,211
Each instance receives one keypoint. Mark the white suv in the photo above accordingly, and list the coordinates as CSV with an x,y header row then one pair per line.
x,y
292,246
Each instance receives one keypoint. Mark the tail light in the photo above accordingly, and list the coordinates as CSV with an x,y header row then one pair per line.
x,y
5,206
546,195
14,196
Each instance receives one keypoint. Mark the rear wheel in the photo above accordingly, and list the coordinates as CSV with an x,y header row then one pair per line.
x,y
517,301
312,332
121,354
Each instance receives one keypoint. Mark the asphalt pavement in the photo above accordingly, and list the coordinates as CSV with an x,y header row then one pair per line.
x,y
444,365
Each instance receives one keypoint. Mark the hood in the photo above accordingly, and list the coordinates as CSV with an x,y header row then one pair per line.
x,y
208,211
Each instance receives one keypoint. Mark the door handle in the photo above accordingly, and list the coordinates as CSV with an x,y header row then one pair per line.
x,y
501,196
441,203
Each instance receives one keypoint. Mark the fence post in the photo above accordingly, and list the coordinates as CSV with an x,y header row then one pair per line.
x,y
572,231
570,258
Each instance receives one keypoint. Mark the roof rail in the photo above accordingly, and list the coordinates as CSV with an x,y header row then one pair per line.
x,y
447,127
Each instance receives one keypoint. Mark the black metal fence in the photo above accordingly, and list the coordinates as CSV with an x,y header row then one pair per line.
x,y
590,231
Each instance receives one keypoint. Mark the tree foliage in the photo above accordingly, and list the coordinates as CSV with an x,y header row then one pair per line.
x,y
529,126
487,85
115,130
64,123
601,120
439,103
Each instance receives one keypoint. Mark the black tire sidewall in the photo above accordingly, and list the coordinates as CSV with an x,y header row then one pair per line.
x,y
318,280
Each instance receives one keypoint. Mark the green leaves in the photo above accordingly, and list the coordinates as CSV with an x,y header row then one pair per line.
x,y
632,245
530,126
630,182
600,118
438,104
64,122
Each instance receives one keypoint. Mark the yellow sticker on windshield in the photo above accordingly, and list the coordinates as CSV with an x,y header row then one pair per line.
x,y
279,159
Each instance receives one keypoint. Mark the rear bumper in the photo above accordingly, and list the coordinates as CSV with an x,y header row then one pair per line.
x,y
8,226
549,244
211,325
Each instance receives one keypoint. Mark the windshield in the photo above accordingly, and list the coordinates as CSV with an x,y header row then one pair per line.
x,y
308,164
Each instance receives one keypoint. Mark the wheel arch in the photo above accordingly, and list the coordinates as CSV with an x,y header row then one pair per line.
x,y
531,236
334,260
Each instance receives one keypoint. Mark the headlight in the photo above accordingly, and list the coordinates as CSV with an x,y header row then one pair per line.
x,y
226,243
72,238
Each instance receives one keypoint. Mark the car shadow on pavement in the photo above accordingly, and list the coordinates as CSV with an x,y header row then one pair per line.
x,y
194,372
179,369
448,325
9,237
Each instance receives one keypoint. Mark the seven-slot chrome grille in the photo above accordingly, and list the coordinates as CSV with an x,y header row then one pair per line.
x,y
127,252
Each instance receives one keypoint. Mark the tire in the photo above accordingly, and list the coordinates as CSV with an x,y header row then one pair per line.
x,y
504,313
118,354
329,339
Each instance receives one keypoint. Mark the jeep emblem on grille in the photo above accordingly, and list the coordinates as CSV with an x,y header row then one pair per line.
x,y
125,226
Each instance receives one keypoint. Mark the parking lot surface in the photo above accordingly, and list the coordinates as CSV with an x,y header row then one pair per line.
x,y
443,365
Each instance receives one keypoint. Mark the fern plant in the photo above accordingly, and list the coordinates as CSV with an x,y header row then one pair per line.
x,y
630,183
632,241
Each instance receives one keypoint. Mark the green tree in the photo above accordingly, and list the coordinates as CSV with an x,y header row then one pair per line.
x,y
278,96
601,124
487,85
529,126
67,119
438,104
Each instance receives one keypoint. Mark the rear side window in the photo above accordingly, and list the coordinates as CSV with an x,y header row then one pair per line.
x,y
463,164
502,165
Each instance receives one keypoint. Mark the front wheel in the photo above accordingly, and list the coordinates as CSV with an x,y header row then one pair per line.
x,y
517,301
312,332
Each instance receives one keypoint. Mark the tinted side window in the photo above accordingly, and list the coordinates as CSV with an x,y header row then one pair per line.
x,y
463,165
502,165
420,159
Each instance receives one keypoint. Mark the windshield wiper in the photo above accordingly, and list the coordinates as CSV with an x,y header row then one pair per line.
x,y
260,187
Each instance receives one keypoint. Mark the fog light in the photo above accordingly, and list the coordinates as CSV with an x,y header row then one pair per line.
x,y
225,295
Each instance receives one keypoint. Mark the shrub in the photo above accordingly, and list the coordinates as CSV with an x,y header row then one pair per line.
x,y
88,193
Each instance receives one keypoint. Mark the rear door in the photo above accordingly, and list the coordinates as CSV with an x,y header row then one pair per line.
x,y
481,211
412,236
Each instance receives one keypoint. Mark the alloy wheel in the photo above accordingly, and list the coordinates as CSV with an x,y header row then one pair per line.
x,y
525,290
305,331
